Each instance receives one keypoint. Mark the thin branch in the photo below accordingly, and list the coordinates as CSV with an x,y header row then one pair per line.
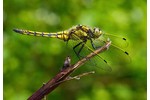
x,y
64,74
79,76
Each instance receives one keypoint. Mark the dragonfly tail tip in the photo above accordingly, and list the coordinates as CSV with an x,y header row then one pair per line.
x,y
17,30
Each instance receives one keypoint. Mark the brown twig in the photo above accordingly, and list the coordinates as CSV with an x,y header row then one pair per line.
x,y
63,75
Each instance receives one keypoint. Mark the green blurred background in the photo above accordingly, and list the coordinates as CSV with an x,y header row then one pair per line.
x,y
31,61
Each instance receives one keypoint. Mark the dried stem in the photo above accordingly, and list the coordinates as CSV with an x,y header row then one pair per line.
x,y
64,74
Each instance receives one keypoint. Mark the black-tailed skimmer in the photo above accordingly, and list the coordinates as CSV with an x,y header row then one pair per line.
x,y
82,34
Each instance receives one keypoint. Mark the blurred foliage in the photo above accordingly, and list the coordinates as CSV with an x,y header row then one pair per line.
x,y
30,61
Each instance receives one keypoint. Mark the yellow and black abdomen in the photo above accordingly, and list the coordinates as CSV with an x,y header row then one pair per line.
x,y
63,35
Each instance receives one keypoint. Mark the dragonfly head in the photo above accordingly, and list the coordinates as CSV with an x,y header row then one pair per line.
x,y
97,32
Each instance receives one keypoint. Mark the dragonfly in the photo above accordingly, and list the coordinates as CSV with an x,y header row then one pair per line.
x,y
80,33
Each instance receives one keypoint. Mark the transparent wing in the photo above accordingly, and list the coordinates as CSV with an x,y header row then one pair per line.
x,y
96,62
117,40
99,62
116,55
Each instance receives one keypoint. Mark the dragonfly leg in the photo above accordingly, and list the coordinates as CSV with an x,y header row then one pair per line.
x,y
93,44
78,52
76,47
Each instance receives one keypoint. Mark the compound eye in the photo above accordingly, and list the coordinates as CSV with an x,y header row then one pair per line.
x,y
96,30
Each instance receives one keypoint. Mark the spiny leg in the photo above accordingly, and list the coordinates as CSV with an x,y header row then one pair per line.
x,y
76,47
80,50
77,53
94,47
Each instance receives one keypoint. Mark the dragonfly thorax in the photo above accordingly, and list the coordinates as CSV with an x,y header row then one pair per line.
x,y
84,33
